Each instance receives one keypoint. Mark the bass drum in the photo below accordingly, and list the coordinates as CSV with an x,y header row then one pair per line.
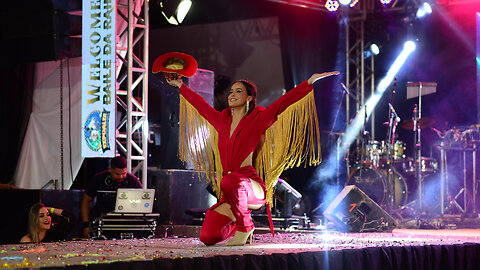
x,y
373,182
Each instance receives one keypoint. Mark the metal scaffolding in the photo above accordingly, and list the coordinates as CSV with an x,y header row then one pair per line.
x,y
132,91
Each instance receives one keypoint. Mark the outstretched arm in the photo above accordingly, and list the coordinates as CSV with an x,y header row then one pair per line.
x,y
294,95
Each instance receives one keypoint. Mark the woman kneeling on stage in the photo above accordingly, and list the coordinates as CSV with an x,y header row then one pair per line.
x,y
226,145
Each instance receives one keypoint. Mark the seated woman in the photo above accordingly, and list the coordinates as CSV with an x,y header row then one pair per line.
x,y
41,228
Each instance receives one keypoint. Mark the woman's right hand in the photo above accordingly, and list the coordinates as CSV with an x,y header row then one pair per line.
x,y
174,79
317,76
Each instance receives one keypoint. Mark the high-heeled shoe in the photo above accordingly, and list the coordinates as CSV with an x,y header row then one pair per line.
x,y
241,238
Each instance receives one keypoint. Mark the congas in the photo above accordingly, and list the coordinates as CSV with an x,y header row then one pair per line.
x,y
373,182
427,165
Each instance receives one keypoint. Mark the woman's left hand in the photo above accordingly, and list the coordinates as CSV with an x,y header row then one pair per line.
x,y
54,211
318,76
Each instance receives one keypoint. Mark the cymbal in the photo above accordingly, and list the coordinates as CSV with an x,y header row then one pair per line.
x,y
421,123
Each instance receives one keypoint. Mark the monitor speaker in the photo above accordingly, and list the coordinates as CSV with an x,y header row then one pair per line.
x,y
353,211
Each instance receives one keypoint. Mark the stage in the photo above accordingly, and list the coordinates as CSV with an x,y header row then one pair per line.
x,y
401,249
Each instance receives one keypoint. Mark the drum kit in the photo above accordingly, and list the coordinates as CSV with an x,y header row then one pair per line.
x,y
382,170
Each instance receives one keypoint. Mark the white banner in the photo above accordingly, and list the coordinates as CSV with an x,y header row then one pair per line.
x,y
98,78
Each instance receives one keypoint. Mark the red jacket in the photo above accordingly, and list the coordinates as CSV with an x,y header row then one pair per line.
x,y
235,149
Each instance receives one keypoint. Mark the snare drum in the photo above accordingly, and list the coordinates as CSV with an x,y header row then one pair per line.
x,y
373,182
428,165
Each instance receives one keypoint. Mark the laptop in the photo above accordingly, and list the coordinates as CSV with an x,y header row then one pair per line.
x,y
134,200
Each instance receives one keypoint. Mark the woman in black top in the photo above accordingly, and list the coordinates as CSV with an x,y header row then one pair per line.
x,y
42,229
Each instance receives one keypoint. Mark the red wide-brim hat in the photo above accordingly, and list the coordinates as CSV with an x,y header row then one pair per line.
x,y
175,62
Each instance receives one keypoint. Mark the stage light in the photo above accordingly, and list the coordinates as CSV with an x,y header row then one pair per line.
x,y
409,46
332,5
374,49
423,10
385,2
175,10
183,9
288,196
353,3
345,2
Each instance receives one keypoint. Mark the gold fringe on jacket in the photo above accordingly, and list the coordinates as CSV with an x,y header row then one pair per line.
x,y
293,139
198,144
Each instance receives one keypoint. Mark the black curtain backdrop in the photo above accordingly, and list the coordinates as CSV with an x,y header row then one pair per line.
x,y
16,94
310,44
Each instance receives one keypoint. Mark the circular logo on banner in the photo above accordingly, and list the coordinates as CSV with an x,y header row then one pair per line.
x,y
96,131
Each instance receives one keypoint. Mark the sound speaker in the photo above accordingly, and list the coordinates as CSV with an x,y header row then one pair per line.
x,y
177,192
353,211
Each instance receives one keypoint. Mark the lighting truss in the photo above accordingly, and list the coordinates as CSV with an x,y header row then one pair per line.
x,y
132,91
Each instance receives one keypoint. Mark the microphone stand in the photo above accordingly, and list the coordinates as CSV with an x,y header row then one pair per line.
x,y
362,156
330,135
392,127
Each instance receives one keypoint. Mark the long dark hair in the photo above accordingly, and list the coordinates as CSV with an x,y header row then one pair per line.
x,y
33,221
251,91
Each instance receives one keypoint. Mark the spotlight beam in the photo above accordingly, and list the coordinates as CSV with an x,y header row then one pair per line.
x,y
330,168
366,111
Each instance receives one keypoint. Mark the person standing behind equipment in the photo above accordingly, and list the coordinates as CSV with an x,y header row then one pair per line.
x,y
104,186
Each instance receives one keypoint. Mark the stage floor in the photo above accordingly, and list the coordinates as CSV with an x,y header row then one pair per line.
x,y
84,253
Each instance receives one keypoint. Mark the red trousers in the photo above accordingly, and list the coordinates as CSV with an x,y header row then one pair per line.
x,y
238,193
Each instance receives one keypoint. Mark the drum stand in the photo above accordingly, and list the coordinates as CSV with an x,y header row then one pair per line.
x,y
462,193
418,152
